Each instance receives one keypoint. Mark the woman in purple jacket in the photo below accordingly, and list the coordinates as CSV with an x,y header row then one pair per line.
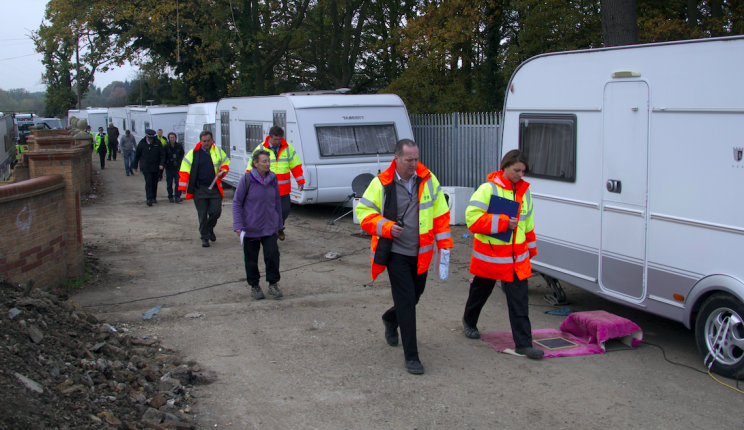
x,y
257,216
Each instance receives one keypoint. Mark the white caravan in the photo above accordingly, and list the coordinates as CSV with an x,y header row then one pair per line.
x,y
200,117
79,114
97,117
637,176
7,146
168,118
337,137
121,117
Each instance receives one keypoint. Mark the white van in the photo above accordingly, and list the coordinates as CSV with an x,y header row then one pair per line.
x,y
637,176
167,118
337,136
199,117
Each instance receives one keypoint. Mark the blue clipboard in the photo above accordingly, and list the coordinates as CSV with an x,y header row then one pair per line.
x,y
510,208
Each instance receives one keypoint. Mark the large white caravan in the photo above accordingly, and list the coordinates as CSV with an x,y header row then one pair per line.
x,y
637,176
121,117
77,113
337,137
97,117
200,117
167,118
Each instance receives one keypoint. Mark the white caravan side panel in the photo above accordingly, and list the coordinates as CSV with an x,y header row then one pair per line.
x,y
200,117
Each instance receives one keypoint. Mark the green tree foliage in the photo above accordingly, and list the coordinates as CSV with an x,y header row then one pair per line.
x,y
20,100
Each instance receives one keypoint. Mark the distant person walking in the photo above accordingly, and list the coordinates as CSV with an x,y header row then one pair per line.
x,y
127,145
113,140
284,159
162,138
200,178
150,156
173,158
100,146
257,216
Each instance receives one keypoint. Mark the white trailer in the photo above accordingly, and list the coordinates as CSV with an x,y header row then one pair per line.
x,y
122,117
77,113
97,117
7,146
637,176
167,118
200,117
337,136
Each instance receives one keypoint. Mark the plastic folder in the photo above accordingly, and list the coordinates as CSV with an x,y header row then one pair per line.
x,y
510,208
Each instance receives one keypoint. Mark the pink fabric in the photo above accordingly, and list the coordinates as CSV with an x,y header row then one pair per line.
x,y
502,340
597,327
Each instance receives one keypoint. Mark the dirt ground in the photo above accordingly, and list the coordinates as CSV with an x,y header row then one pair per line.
x,y
317,358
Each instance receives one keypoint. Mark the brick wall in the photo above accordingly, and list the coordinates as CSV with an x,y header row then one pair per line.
x,y
33,231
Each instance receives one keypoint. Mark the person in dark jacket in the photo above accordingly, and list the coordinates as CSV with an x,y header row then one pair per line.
x,y
151,155
173,156
257,216
113,140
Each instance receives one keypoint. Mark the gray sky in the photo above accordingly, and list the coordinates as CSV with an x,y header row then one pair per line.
x,y
20,66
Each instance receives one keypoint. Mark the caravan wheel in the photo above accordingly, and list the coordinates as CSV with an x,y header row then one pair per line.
x,y
719,331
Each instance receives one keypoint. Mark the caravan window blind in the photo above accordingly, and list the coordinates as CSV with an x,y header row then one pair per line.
x,y
356,139
253,137
549,142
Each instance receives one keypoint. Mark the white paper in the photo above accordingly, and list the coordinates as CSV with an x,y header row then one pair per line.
x,y
242,235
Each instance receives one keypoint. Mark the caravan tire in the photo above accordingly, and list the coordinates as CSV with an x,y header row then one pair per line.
x,y
719,311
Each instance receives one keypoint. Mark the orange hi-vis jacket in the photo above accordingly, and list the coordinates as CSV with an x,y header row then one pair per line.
x,y
374,209
187,182
491,257
287,161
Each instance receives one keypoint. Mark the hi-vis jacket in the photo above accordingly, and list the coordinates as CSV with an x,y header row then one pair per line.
x,y
493,258
282,165
187,182
434,217
163,140
97,143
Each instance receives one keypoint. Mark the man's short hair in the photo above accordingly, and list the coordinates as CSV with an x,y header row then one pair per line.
x,y
404,142
276,131
160,129
206,133
127,132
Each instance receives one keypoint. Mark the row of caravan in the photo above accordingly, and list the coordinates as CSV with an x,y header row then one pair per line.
x,y
337,136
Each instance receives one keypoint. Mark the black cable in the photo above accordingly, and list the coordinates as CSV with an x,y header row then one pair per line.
x,y
672,362
204,288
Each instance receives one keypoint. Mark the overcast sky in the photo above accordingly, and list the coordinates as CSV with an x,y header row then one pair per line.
x,y
20,65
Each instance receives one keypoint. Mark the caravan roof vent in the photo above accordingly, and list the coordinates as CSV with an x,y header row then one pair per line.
x,y
626,74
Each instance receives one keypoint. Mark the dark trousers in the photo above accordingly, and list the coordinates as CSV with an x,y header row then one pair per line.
x,y
208,207
113,147
286,206
171,178
102,156
407,287
517,301
151,185
251,247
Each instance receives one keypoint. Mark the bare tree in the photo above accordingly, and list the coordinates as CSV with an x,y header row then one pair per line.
x,y
619,22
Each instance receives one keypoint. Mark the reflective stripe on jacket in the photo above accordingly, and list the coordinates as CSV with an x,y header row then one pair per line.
x,y
219,160
491,257
287,161
97,143
434,216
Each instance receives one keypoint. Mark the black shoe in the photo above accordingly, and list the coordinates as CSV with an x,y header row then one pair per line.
x,y
149,203
154,200
280,233
205,243
530,352
212,237
170,199
179,200
414,367
127,174
274,291
470,331
256,293
391,333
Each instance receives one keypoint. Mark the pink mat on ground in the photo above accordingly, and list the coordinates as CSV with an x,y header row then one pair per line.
x,y
590,330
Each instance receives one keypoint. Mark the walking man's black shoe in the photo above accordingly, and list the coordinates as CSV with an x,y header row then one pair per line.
x,y
391,333
414,367
212,237
530,352
149,203
470,331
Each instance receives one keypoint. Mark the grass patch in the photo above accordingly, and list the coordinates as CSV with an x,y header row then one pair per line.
x,y
73,284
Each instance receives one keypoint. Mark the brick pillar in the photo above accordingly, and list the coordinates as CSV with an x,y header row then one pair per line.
x,y
70,163
85,140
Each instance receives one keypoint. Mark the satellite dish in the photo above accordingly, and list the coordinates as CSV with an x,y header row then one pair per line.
x,y
360,183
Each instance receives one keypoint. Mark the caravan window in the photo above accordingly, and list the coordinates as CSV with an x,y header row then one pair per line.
x,y
147,125
123,125
134,129
280,119
253,136
549,142
356,139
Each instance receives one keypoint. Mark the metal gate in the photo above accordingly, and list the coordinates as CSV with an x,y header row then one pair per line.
x,y
461,149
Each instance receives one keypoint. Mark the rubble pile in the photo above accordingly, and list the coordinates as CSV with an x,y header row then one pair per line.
x,y
60,368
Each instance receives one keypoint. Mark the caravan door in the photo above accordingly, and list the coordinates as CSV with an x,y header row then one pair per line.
x,y
622,256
